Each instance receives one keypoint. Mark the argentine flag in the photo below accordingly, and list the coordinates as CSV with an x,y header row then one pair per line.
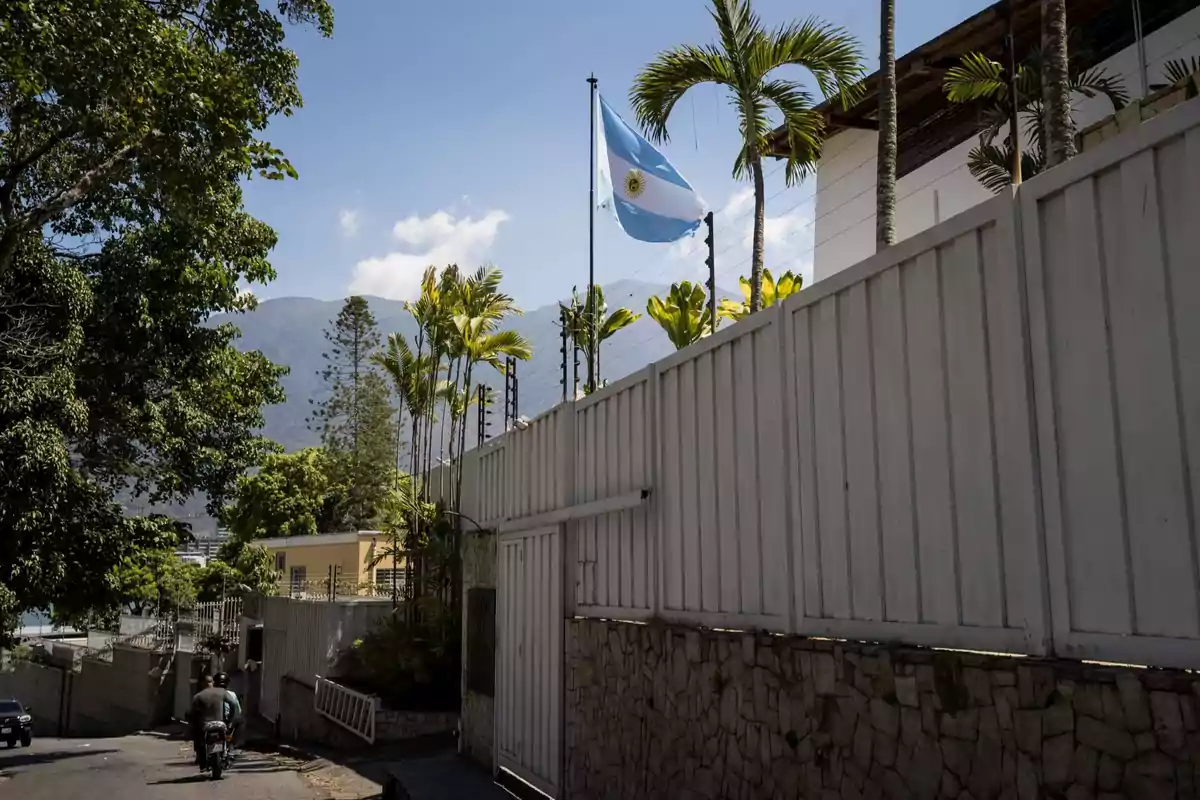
x,y
652,202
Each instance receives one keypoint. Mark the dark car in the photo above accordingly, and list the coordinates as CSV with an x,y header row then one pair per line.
x,y
16,724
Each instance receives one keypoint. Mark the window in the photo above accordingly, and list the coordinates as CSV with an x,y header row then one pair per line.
x,y
299,579
481,641
10,707
383,579
280,561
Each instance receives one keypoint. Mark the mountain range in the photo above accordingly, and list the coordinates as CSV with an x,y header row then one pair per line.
x,y
290,332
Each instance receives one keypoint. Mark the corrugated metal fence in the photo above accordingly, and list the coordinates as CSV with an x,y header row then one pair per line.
x,y
984,437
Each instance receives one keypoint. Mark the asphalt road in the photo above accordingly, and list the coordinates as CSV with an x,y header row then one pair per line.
x,y
142,767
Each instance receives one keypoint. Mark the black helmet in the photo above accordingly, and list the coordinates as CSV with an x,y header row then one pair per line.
x,y
221,680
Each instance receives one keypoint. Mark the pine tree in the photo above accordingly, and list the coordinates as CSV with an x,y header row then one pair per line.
x,y
356,420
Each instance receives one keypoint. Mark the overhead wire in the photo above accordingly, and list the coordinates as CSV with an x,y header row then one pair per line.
x,y
847,202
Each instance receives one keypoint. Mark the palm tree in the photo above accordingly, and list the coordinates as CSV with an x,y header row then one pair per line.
x,y
743,62
979,79
479,308
685,315
772,292
1056,84
885,184
1178,70
582,318
404,368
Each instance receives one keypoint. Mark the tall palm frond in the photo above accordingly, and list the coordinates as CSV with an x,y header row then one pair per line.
x,y
742,62
494,348
991,165
1178,70
978,79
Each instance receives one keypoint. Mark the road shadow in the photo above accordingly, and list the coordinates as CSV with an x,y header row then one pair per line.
x,y
199,777
18,759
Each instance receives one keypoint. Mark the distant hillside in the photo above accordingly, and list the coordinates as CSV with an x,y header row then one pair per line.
x,y
289,331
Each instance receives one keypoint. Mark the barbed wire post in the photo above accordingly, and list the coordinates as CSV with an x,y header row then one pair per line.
x,y
483,414
562,318
712,270
507,390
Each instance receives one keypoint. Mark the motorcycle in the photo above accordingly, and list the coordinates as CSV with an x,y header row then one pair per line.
x,y
218,746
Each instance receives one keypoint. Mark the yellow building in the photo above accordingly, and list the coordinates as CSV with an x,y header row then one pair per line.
x,y
307,563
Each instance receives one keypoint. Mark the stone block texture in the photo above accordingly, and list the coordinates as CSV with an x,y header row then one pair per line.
x,y
398,726
655,711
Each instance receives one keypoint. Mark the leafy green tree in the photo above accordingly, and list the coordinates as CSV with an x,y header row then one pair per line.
x,y
293,494
356,420
772,292
126,129
684,315
136,108
238,567
743,64
582,317
155,581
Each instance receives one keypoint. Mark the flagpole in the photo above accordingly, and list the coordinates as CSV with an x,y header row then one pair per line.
x,y
594,361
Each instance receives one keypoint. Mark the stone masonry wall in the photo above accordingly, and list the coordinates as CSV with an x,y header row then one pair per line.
x,y
663,712
398,726
476,721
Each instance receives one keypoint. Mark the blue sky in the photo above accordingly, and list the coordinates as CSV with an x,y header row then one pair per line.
x,y
458,130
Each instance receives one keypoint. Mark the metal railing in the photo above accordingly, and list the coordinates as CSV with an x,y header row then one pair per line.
x,y
214,625
342,589
342,705
158,634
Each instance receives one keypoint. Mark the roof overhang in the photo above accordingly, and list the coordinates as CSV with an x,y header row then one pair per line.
x,y
317,540
928,123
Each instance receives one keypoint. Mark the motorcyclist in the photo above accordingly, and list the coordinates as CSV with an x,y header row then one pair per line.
x,y
232,707
208,705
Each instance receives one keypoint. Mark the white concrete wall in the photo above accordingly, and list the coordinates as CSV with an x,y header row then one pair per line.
x,y
845,227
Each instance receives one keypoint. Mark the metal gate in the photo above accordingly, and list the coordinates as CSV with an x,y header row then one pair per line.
x,y
529,648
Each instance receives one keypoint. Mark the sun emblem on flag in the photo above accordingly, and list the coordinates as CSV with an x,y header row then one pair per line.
x,y
635,183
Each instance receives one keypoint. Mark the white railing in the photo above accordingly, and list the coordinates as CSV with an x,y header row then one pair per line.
x,y
352,710
158,634
221,618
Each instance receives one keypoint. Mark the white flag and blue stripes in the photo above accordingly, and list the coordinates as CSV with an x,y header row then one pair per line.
x,y
651,200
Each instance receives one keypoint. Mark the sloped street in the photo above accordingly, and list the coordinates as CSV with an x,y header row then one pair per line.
x,y
140,767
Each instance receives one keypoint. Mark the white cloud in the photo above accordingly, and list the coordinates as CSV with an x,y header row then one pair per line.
x,y
437,240
348,220
787,239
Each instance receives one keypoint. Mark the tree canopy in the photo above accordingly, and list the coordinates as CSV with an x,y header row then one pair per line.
x,y
126,128
293,494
